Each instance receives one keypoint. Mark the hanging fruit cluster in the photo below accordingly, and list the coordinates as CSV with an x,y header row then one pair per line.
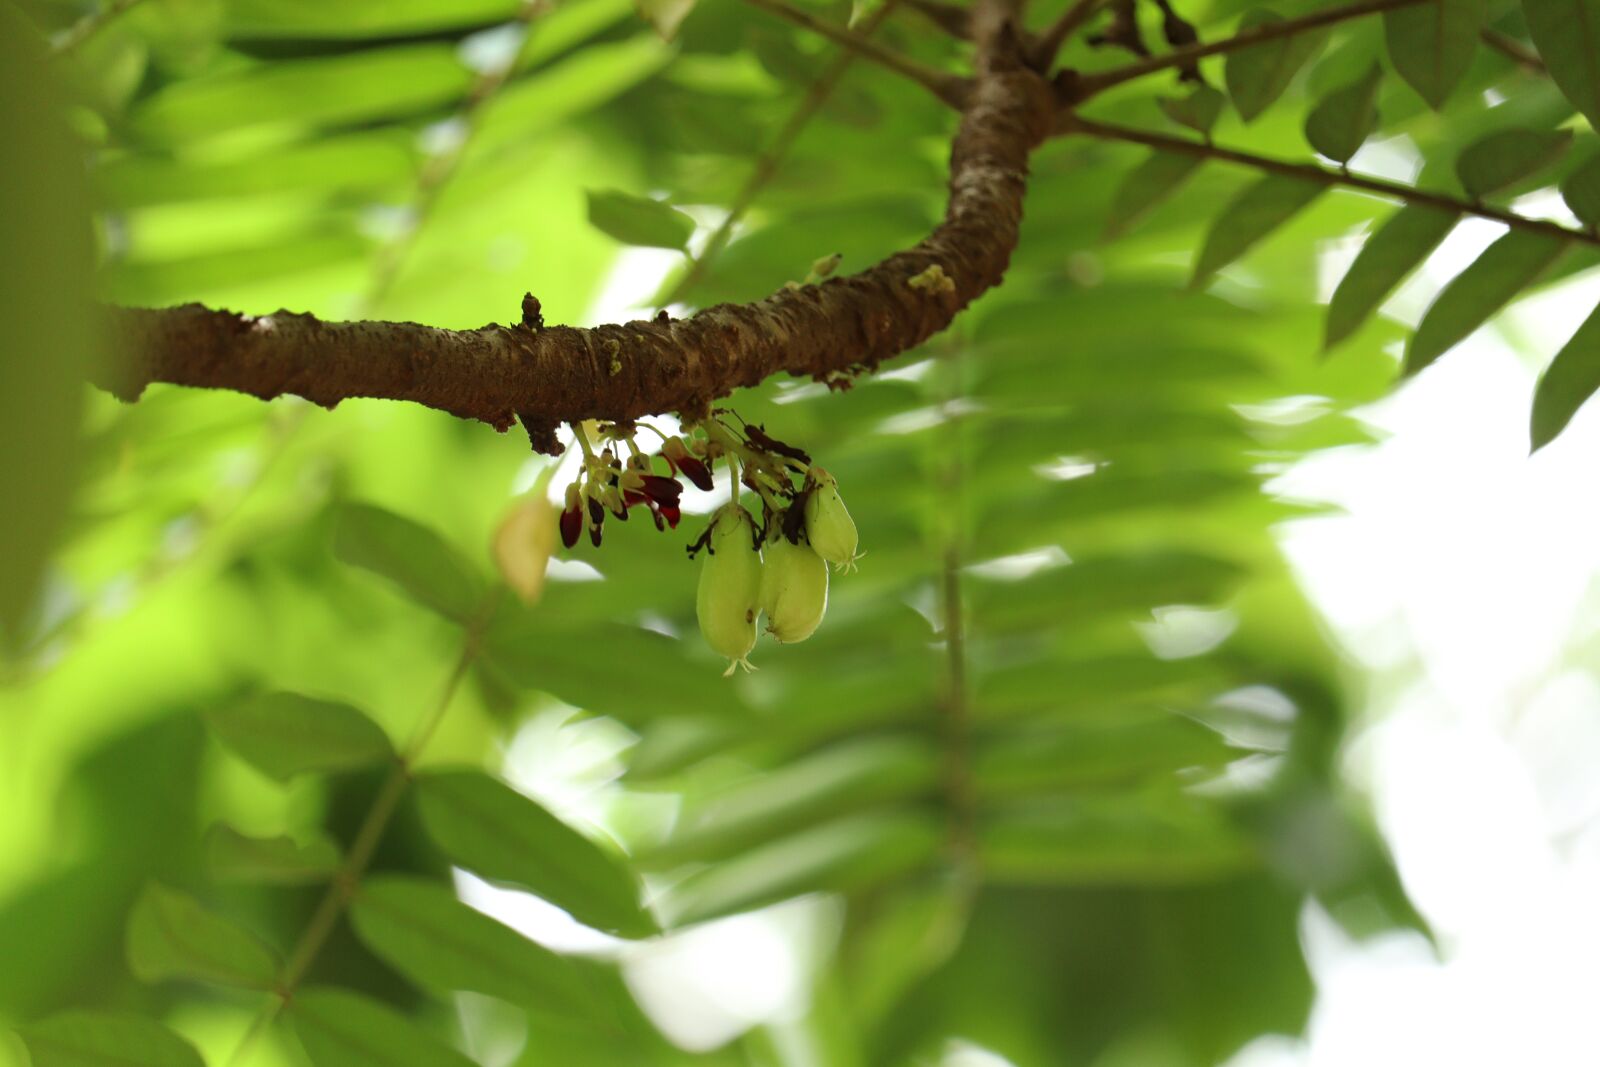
x,y
776,566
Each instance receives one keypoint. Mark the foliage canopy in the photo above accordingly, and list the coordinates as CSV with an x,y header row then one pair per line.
x,y
1060,766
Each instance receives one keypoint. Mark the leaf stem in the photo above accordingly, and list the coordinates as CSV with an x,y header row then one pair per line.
x,y
1327,176
1090,84
342,888
947,87
1514,50
768,162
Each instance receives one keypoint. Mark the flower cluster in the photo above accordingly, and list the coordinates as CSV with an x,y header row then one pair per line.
x,y
776,566
606,485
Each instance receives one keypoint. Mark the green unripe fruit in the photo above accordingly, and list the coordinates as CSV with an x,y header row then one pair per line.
x,y
794,590
729,596
829,528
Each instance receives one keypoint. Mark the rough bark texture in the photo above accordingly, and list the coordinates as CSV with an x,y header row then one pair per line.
x,y
625,371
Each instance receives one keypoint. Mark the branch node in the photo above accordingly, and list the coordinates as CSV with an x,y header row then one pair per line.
x,y
541,433
532,312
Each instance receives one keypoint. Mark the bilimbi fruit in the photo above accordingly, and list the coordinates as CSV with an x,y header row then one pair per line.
x,y
829,527
794,589
729,596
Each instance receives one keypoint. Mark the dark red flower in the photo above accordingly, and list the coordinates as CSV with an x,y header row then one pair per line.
x,y
661,489
571,525
696,471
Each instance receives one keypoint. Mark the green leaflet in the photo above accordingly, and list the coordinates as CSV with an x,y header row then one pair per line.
x,y
1261,208
340,1028
1393,251
1258,75
235,857
849,776
1505,157
639,220
103,1039
1110,839
285,734
1581,191
1567,35
1146,186
1199,110
847,853
491,829
425,933
424,565
1432,44
170,935
1572,378
1506,268
382,83
1345,118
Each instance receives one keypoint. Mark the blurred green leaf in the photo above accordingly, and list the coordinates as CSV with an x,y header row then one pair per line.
x,y
1146,186
285,734
1395,249
1256,76
342,1028
1507,267
501,835
421,929
1345,118
1567,36
235,857
388,82
170,935
1581,191
639,220
46,312
850,853
99,1039
1570,379
426,567
1261,208
1431,44
1506,157
1199,110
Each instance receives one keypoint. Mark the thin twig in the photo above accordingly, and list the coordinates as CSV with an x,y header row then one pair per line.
x,y
1513,49
1089,84
342,888
437,171
1312,172
769,161
1043,52
951,18
947,87
90,25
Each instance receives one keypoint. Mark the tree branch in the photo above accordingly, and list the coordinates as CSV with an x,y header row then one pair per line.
x,y
946,87
621,372
1089,84
1048,43
1312,172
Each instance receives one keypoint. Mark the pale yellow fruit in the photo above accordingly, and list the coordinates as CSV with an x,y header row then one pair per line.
x,y
829,527
729,595
794,590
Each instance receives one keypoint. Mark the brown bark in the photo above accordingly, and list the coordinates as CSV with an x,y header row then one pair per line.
x,y
625,371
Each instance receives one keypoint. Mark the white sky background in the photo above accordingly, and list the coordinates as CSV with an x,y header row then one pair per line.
x,y
1463,578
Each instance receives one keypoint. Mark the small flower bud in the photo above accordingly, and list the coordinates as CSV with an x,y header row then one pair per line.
x,y
728,598
829,527
572,517
794,589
